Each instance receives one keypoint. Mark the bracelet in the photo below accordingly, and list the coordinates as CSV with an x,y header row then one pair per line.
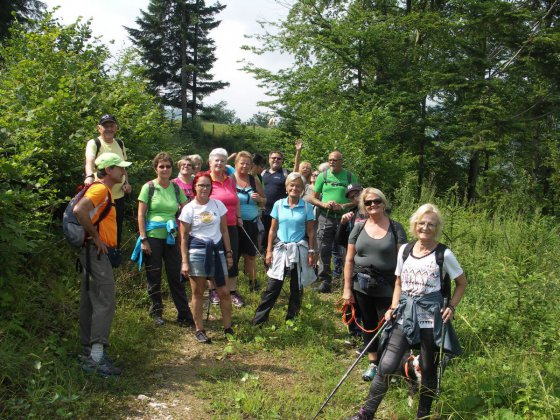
x,y
90,176
311,251
451,307
230,252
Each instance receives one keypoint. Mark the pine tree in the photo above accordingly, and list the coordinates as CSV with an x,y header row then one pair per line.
x,y
173,39
24,10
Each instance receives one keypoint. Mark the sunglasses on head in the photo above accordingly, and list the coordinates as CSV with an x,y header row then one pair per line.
x,y
377,201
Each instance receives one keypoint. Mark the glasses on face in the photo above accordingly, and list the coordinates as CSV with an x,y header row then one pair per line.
x,y
376,201
164,166
204,186
334,160
276,158
426,225
314,174
188,165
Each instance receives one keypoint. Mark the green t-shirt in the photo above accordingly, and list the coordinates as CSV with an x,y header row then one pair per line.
x,y
163,206
334,189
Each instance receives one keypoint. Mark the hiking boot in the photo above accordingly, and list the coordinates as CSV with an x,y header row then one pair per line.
x,y
324,287
361,415
254,286
102,368
236,300
158,320
214,298
229,334
370,372
201,337
86,352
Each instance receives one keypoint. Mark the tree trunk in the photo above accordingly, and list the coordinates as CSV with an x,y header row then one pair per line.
x,y
474,168
422,150
184,74
195,61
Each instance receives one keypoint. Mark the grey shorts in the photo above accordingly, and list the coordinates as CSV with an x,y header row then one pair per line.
x,y
196,264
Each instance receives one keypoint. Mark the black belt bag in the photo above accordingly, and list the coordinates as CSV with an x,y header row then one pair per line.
x,y
369,278
115,256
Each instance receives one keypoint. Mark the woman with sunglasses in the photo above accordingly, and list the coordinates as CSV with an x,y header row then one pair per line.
x,y
206,251
251,195
369,272
158,206
420,310
185,177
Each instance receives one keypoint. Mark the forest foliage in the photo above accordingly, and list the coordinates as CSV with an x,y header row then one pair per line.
x,y
449,101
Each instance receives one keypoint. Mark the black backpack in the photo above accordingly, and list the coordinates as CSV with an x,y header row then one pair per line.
x,y
74,232
152,190
98,145
440,254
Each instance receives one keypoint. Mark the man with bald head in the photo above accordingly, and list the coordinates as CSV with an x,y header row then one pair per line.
x,y
329,195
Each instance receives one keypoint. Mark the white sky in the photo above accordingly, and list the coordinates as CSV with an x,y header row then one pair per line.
x,y
239,18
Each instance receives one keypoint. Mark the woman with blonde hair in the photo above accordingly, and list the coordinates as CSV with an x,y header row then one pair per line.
x,y
369,272
420,308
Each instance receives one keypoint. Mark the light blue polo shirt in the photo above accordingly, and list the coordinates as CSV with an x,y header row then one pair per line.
x,y
292,221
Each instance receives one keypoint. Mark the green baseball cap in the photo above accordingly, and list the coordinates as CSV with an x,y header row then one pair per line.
x,y
110,159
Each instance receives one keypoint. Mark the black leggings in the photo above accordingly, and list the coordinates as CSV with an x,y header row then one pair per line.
x,y
372,310
389,364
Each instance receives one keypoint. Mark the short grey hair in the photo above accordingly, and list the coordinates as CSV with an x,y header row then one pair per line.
x,y
293,177
221,152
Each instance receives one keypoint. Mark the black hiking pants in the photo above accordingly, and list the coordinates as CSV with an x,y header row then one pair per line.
x,y
270,295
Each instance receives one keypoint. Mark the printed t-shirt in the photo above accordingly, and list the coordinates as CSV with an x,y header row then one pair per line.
x,y
163,206
99,196
225,192
334,189
204,219
103,148
420,276
292,220
274,188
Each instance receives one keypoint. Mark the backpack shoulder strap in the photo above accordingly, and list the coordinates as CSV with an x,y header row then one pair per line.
x,y
325,174
177,192
361,226
445,281
121,145
97,145
107,208
407,250
253,182
151,191
394,231
349,177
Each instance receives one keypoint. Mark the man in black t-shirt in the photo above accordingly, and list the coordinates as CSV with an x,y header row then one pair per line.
x,y
274,181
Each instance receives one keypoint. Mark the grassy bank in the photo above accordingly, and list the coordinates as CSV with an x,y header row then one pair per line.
x,y
507,324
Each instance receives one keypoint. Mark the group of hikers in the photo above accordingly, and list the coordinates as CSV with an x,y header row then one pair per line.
x,y
202,222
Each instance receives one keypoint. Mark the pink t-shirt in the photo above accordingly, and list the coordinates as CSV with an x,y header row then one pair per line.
x,y
227,194
187,188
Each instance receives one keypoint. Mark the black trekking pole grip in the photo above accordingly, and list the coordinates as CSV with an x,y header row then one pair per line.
x,y
350,369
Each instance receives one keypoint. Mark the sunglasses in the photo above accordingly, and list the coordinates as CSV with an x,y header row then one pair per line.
x,y
204,186
276,158
377,201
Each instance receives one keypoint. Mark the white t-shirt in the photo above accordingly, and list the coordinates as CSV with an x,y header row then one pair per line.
x,y
204,219
420,276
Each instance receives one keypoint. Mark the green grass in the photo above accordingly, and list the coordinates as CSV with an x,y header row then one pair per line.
x,y
507,324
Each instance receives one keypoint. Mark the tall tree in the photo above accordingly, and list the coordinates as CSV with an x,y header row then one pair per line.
x,y
23,10
174,42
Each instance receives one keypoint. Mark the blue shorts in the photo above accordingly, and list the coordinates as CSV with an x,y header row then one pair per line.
x,y
196,265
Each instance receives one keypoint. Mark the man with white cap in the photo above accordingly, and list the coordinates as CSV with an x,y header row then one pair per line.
x,y
97,291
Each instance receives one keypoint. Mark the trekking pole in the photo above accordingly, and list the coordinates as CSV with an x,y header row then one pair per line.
x,y
252,243
350,369
441,362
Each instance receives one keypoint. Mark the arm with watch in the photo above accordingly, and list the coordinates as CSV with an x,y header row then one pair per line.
x,y
142,210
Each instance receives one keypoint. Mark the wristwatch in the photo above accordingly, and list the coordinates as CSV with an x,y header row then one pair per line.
x,y
143,238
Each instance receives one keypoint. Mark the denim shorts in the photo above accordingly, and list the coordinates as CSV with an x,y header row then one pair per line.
x,y
196,264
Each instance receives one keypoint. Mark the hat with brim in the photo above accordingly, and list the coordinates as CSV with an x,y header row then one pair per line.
x,y
110,159
107,118
353,187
